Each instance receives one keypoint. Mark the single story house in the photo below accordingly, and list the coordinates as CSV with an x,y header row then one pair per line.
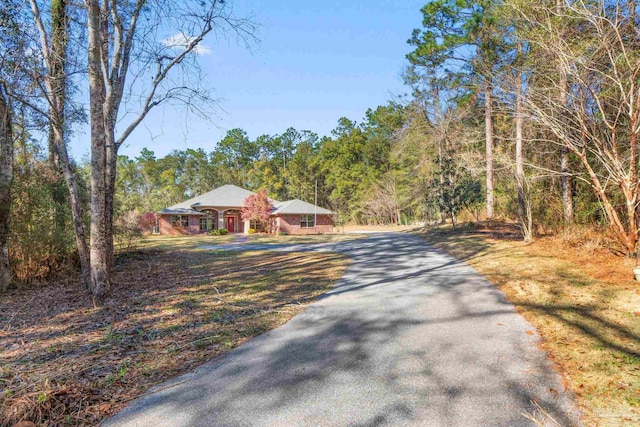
x,y
222,207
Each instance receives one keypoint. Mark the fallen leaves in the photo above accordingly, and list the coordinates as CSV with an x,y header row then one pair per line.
x,y
65,363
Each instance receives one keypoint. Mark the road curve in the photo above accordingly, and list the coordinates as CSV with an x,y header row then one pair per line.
x,y
408,337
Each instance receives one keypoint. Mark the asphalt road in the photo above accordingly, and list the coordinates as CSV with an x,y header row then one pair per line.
x,y
408,337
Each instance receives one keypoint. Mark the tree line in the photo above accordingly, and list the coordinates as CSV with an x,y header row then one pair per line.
x,y
557,86
527,111
358,172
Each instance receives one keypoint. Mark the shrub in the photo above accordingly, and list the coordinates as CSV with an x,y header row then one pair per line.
x,y
589,239
252,231
41,238
257,207
223,231
214,233
147,222
127,230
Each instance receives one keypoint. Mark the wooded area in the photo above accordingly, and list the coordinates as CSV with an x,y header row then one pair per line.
x,y
517,111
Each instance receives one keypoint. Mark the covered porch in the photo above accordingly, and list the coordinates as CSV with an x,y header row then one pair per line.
x,y
204,220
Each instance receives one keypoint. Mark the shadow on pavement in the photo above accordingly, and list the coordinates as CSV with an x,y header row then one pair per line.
x,y
409,336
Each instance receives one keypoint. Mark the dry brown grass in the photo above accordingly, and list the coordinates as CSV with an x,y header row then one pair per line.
x,y
583,302
193,242
63,362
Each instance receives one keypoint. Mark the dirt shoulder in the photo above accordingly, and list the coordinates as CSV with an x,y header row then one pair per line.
x,y
62,362
584,303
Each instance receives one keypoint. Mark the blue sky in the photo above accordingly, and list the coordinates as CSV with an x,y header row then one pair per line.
x,y
315,62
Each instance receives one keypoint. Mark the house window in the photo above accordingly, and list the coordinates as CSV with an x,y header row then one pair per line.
x,y
181,221
255,225
307,221
207,223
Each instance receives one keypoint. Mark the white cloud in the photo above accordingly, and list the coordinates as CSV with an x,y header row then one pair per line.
x,y
180,40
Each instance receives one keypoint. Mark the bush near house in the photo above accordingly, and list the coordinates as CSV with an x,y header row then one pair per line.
x,y
257,208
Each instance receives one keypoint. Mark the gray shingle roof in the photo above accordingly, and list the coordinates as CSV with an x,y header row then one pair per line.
x,y
228,196
180,211
299,207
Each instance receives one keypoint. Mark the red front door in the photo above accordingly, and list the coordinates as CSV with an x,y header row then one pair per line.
x,y
231,224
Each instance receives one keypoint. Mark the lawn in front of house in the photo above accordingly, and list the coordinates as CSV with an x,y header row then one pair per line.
x,y
584,304
171,308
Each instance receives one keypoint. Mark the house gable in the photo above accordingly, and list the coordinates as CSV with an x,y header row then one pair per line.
x,y
227,196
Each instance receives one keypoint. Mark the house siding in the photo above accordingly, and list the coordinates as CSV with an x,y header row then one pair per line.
x,y
291,224
167,228
194,224
164,223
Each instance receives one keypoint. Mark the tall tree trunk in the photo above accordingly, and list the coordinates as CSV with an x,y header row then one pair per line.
x,y
6,179
524,214
58,93
111,34
99,252
76,212
443,212
110,191
441,141
56,56
488,118
565,179
56,62
567,193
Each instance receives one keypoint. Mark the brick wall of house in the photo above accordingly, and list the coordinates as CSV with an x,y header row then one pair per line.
x,y
194,224
291,224
167,228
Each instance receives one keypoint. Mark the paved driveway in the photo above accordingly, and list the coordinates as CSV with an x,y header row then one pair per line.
x,y
408,337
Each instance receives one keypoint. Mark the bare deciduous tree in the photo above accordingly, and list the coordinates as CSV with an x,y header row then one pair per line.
x,y
524,208
54,79
488,123
122,49
567,198
600,120
384,204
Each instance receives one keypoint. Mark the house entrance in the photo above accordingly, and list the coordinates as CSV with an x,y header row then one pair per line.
x,y
231,224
